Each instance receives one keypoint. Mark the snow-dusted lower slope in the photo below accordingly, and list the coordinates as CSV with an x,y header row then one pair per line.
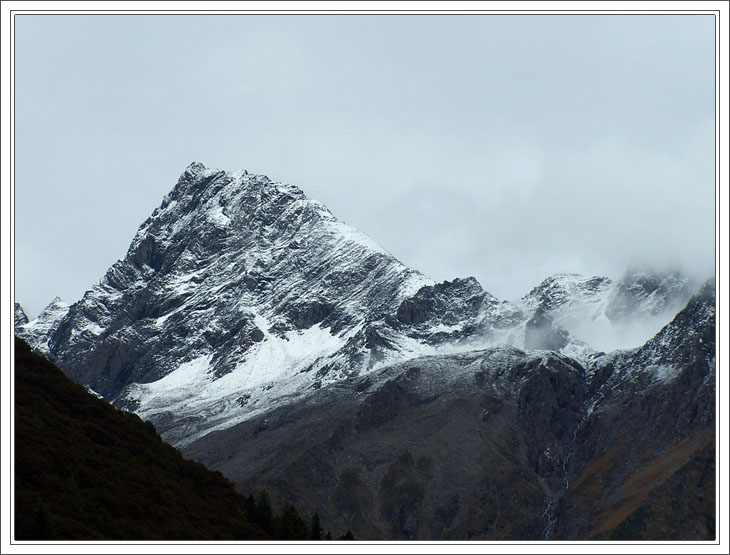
x,y
239,292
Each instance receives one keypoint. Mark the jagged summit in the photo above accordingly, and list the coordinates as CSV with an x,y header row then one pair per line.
x,y
194,167
20,317
559,288
40,330
244,284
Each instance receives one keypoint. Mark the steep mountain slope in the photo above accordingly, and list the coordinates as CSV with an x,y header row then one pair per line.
x,y
84,470
501,443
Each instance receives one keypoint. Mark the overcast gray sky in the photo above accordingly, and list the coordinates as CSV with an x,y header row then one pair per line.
x,y
503,147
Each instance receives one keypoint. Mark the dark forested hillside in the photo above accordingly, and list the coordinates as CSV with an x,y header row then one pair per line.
x,y
87,471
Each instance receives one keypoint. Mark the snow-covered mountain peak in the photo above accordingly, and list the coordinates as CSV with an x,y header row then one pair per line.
x,y
239,291
20,317
55,307
39,331
561,288
195,168
231,271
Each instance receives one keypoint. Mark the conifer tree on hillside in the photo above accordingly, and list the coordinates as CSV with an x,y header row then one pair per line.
x,y
315,530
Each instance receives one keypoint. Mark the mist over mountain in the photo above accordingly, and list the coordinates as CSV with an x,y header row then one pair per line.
x,y
272,341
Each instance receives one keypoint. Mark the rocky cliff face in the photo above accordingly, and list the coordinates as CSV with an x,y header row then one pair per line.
x,y
275,342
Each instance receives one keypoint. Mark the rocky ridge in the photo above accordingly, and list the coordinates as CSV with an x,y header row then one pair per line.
x,y
238,291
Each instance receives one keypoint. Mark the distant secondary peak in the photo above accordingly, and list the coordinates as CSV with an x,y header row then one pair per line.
x,y
448,302
20,317
463,287
568,280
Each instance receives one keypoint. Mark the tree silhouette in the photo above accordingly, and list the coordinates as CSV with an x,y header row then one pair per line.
x,y
315,530
290,525
347,536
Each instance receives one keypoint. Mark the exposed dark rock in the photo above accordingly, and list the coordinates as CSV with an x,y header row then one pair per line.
x,y
307,315
449,302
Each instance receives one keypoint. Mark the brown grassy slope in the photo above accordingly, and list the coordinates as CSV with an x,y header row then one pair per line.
x,y
682,507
